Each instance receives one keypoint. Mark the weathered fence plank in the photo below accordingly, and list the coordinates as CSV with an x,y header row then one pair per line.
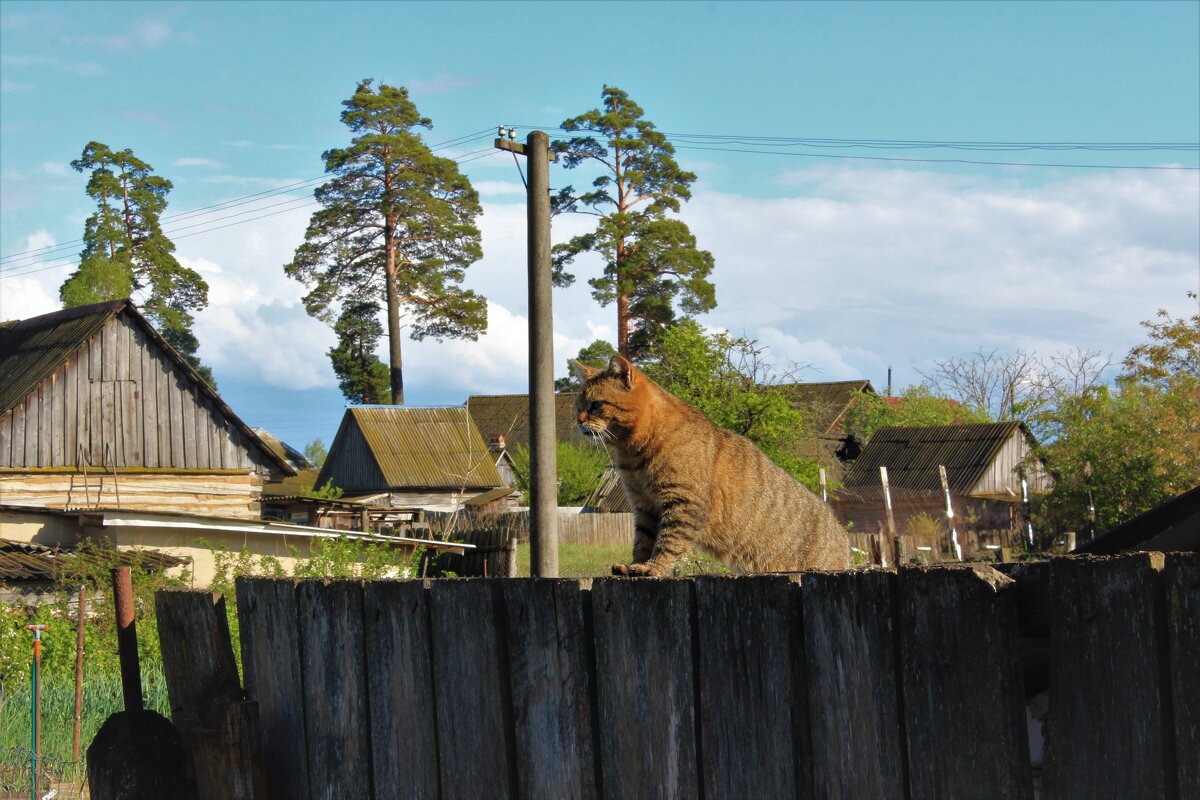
x,y
850,643
551,688
471,685
404,753
645,688
270,639
335,691
1182,579
207,702
964,704
753,705
1106,725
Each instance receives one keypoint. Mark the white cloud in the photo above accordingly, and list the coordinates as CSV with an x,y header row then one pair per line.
x,y
498,188
25,296
56,169
8,86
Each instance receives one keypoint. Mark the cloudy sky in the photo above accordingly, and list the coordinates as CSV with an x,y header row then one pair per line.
x,y
881,184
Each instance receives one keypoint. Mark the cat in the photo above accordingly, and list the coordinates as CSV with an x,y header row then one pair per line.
x,y
692,483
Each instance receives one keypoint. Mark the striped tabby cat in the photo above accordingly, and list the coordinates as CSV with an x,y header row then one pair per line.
x,y
692,483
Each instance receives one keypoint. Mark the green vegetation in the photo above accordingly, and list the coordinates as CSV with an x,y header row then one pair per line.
x,y
580,468
916,406
396,231
596,561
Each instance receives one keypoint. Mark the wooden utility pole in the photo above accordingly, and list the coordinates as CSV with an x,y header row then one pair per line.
x,y
543,467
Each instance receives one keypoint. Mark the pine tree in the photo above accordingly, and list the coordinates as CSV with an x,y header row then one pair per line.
x,y
651,260
397,224
126,253
362,377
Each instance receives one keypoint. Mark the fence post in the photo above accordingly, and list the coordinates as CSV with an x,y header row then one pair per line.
x,y
887,500
950,514
1182,577
131,673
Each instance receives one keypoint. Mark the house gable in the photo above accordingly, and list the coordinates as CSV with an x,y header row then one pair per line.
x,y
96,387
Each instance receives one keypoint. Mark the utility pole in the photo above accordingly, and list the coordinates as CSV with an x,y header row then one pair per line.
x,y
543,466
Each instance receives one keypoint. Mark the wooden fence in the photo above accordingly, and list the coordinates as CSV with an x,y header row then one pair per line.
x,y
573,527
876,683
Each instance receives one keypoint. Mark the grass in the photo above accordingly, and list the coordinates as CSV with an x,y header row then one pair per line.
x,y
596,560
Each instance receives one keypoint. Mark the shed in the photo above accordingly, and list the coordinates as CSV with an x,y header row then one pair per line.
x,y
506,417
1170,526
96,409
432,458
984,462
825,406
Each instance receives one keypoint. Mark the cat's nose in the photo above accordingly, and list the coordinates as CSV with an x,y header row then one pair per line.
x,y
582,417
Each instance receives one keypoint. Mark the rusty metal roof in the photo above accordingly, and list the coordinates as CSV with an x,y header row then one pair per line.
x,y
507,415
25,561
825,403
912,455
435,448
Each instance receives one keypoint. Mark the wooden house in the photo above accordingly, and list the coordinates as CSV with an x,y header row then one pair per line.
x,y
97,410
825,406
985,465
431,458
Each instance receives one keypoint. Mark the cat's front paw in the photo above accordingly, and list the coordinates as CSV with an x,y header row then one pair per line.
x,y
643,571
620,569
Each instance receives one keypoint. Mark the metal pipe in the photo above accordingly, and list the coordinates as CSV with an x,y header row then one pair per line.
x,y
131,672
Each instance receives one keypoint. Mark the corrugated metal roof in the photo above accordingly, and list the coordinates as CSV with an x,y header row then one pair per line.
x,y
292,485
425,447
825,402
25,561
912,455
507,415
31,350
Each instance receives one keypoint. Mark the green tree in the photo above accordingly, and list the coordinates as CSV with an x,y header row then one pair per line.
x,y
1124,449
917,405
651,260
730,381
397,225
595,355
362,377
316,452
126,253
580,468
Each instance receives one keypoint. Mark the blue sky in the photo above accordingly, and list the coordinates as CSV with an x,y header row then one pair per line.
x,y
848,259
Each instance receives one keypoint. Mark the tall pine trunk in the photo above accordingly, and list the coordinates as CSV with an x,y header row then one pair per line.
x,y
393,316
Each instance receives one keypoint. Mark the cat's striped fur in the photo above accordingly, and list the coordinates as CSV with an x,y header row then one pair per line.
x,y
692,483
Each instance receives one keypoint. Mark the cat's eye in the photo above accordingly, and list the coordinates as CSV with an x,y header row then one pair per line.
x,y
596,407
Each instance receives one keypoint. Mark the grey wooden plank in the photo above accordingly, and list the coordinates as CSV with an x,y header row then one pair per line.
x,y
203,456
1182,579
6,427
71,418
109,423
58,402
551,688
168,423
45,449
750,676
137,411
269,631
120,354
108,350
965,726
404,753
95,446
332,659
183,423
645,687
150,376
1106,728
18,435
33,408
471,687
851,649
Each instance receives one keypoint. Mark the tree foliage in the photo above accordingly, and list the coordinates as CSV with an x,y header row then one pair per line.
x,y
731,382
651,259
595,355
580,468
316,452
917,405
126,253
362,377
396,228
1124,449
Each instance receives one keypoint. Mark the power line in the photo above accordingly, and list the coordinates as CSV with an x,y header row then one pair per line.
x,y
243,200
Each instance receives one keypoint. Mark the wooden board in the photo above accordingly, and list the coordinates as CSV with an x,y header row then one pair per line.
x,y
645,688
400,689
551,688
964,703
1106,701
270,640
753,704
471,686
1182,579
852,651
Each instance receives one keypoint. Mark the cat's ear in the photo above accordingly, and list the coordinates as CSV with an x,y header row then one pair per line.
x,y
623,369
582,371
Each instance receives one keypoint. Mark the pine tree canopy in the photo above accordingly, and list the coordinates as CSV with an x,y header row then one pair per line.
x,y
396,226
651,260
126,253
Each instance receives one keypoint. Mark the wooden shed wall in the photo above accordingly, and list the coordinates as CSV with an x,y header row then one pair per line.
x,y
350,464
121,401
1001,474
229,494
